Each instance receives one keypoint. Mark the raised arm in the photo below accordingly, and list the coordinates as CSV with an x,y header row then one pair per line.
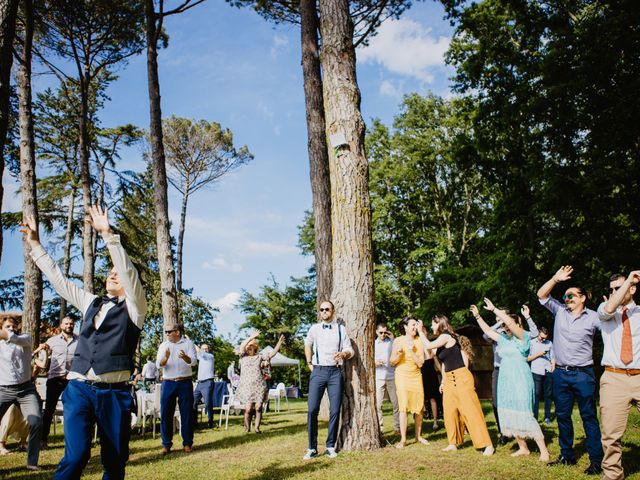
x,y
563,274
506,319
277,347
488,331
429,345
243,345
614,301
397,352
533,328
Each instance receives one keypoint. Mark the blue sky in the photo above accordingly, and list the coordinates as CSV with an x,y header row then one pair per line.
x,y
230,66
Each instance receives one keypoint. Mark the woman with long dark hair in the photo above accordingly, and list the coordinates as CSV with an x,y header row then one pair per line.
x,y
407,355
459,398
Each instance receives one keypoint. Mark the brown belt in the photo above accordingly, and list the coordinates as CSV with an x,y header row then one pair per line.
x,y
179,379
625,371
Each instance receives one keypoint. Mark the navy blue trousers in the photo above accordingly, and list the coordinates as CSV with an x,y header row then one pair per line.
x,y
330,379
543,389
181,391
204,392
85,405
570,387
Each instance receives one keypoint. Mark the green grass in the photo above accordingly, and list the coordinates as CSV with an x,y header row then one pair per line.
x,y
277,454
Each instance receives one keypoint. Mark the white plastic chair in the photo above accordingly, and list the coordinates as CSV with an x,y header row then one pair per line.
x,y
228,402
277,393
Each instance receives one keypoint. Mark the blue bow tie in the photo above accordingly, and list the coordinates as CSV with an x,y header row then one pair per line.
x,y
324,325
113,300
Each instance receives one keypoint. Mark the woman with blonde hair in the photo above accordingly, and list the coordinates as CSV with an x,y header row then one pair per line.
x,y
407,355
459,398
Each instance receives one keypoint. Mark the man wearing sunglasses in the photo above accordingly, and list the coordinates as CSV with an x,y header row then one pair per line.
x,y
385,374
176,356
620,382
574,329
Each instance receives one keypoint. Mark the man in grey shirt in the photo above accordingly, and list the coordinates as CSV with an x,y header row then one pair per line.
x,y
61,349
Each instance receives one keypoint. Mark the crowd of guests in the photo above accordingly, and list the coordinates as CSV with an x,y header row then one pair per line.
x,y
418,371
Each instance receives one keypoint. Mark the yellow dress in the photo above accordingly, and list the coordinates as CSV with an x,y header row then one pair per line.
x,y
409,381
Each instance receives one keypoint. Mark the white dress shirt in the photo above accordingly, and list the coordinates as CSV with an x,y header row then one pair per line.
x,y
611,328
81,299
15,359
150,370
177,367
383,353
327,339
205,366
62,351
541,365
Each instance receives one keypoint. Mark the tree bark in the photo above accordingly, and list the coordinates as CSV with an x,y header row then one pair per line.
x,y
161,203
8,12
85,175
353,293
32,303
183,216
68,239
317,147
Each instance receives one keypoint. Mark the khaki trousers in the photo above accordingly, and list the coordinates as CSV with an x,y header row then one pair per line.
x,y
388,388
617,392
462,408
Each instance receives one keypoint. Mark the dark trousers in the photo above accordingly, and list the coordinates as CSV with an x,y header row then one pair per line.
x,y
55,387
204,392
494,395
25,396
84,406
182,391
543,389
570,387
330,379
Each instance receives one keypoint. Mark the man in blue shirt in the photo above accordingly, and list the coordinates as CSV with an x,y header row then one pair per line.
x,y
204,388
574,329
542,366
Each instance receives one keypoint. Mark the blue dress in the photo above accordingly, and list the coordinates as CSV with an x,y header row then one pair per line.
x,y
515,389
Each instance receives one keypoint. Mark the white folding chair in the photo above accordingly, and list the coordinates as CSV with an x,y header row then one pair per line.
x,y
228,402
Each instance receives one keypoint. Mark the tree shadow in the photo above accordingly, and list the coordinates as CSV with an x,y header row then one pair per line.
x,y
275,470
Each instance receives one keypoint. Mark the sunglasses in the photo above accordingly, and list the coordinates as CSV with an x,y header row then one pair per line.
x,y
614,289
325,309
570,296
169,331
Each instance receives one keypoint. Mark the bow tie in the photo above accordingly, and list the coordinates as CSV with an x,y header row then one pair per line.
x,y
113,300
324,325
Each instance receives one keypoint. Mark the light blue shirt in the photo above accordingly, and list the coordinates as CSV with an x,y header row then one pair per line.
x,y
205,366
541,365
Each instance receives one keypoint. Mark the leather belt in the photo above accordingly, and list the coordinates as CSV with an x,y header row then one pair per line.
x,y
624,371
586,368
179,379
107,386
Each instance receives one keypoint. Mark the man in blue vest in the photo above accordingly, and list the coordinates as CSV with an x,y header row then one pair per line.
x,y
98,388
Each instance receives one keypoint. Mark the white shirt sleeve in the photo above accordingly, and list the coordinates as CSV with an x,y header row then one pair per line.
x,y
604,316
311,337
191,352
23,340
162,349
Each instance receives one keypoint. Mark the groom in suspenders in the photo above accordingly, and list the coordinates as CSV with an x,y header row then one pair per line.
x,y
326,347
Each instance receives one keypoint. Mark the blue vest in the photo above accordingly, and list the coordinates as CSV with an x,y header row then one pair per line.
x,y
111,347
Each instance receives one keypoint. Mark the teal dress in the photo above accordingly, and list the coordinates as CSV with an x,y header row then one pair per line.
x,y
515,389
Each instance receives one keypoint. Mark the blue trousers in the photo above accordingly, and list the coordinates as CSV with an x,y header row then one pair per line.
x,y
330,379
85,405
544,388
204,392
182,391
570,387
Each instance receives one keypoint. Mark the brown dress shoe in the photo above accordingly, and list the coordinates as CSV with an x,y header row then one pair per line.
x,y
188,449
166,450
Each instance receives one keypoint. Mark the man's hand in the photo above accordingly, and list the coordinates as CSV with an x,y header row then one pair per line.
x,y
379,363
310,365
99,220
167,354
30,230
4,335
525,311
563,274
634,277
182,355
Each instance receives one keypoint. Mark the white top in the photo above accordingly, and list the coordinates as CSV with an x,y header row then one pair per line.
x,y
150,370
176,367
541,365
383,352
62,351
612,336
327,339
15,359
81,299
205,366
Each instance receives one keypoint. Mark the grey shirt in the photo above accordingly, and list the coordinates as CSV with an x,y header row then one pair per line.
x,y
61,355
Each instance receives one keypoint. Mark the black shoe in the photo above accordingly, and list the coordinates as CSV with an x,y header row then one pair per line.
x,y
593,469
503,440
561,461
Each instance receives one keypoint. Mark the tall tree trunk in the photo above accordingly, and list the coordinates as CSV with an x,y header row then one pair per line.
x,y
183,216
317,147
353,293
161,203
32,304
85,175
8,12
68,240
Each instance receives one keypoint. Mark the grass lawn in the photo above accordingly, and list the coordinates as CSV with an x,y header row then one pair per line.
x,y
277,453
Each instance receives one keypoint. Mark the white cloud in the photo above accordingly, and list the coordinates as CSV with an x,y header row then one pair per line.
x,y
388,89
406,47
227,303
220,263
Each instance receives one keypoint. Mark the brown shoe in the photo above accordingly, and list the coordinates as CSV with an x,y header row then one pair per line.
x,y
188,449
166,450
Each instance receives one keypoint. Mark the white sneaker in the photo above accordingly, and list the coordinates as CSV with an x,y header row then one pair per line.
x,y
331,453
311,453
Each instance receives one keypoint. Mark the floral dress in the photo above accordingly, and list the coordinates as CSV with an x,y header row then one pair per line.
x,y
515,389
252,387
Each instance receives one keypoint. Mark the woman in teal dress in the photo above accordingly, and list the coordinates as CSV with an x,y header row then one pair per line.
x,y
515,383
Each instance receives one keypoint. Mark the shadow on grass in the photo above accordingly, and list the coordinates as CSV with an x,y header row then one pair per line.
x,y
275,470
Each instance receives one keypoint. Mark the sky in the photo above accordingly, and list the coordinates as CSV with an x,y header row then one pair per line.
x,y
229,65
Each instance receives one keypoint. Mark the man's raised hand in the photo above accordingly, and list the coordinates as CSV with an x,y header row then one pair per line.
x,y
563,274
99,219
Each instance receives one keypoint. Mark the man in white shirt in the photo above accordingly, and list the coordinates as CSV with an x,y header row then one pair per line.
x,y
204,389
15,382
98,389
61,349
176,356
326,347
385,374
150,371
620,382
542,365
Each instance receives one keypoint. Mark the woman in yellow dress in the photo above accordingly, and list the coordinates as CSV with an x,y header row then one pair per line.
x,y
407,355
